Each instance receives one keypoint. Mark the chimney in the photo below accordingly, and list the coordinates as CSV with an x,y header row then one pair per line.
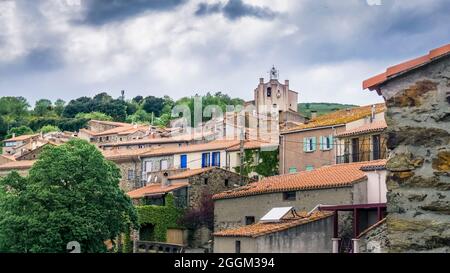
x,y
286,82
261,80
313,114
164,181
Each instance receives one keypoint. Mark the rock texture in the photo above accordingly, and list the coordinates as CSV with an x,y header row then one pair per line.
x,y
418,118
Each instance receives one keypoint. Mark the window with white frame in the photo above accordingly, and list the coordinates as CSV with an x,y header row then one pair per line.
x,y
326,143
309,144
164,164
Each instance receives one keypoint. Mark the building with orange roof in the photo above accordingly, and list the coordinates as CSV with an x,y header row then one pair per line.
x,y
22,167
352,183
314,144
417,96
294,232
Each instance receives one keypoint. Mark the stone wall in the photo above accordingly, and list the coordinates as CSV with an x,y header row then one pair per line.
x,y
418,182
129,165
374,240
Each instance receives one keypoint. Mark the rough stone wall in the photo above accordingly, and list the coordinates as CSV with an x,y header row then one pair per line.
x,y
216,184
418,182
124,166
375,240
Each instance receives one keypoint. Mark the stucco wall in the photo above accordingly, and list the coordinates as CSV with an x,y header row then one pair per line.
x,y
418,118
292,154
314,237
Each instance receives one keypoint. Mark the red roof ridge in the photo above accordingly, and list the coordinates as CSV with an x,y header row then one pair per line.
x,y
373,82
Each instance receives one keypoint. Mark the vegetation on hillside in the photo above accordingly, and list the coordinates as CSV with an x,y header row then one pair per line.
x,y
321,107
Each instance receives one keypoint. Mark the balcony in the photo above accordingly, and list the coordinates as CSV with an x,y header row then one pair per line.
x,y
363,156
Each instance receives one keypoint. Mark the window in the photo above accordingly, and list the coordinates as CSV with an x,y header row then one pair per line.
x,y
289,196
183,161
309,144
249,220
376,147
227,182
205,181
148,166
326,143
309,168
216,159
238,246
292,170
269,92
355,149
206,160
164,164
130,174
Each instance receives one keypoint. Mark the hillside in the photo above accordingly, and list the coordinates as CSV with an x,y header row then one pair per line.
x,y
321,107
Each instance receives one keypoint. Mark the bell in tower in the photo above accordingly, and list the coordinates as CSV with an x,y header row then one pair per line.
x,y
273,73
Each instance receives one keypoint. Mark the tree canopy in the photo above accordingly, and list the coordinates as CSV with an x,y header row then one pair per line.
x,y
71,194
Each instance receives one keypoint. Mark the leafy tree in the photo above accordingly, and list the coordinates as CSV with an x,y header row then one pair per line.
x,y
59,106
71,194
80,105
19,131
42,107
94,115
202,215
138,99
267,164
3,128
153,105
14,111
49,129
131,108
140,117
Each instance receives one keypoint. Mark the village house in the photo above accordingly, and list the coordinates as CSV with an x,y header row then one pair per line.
x,y
18,145
417,95
22,167
287,232
328,185
314,144
188,188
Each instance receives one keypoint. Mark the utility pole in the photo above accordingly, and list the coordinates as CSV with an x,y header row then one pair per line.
x,y
241,148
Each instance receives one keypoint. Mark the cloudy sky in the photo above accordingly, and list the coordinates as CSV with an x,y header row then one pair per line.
x,y
70,48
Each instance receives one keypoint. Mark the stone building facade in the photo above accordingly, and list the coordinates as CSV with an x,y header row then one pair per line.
x,y
417,95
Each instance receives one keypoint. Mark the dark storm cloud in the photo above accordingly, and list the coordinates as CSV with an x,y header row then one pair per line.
x,y
37,60
100,12
235,9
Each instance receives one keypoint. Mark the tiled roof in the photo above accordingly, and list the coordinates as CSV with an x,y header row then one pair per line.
x,y
189,173
124,130
213,145
261,229
117,154
339,117
377,126
17,165
375,165
20,138
252,144
393,71
112,123
377,224
333,176
155,189
150,141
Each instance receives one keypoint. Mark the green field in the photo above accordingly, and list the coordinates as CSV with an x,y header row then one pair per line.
x,y
321,107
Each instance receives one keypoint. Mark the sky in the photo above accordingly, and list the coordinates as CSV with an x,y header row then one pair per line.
x,y
326,48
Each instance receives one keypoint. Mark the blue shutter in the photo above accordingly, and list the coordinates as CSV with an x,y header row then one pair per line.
x,y
203,160
215,159
314,143
218,159
305,144
183,160
331,142
322,143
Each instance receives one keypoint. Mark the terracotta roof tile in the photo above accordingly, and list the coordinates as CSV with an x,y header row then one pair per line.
x,y
260,229
373,82
113,123
339,117
189,173
252,144
377,126
333,176
20,138
17,165
213,145
154,189
124,153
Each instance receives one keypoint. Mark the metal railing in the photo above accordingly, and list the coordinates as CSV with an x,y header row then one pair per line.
x,y
363,156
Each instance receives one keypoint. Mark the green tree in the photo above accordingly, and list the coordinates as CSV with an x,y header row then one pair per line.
x,y
19,131
140,117
59,106
49,128
71,194
94,115
153,105
43,107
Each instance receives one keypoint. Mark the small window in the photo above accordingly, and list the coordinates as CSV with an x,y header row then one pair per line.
x,y
269,92
206,160
289,196
309,144
238,246
309,168
205,181
292,170
164,164
130,174
227,182
249,220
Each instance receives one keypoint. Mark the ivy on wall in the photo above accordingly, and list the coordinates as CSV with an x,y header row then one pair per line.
x,y
161,217
267,164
